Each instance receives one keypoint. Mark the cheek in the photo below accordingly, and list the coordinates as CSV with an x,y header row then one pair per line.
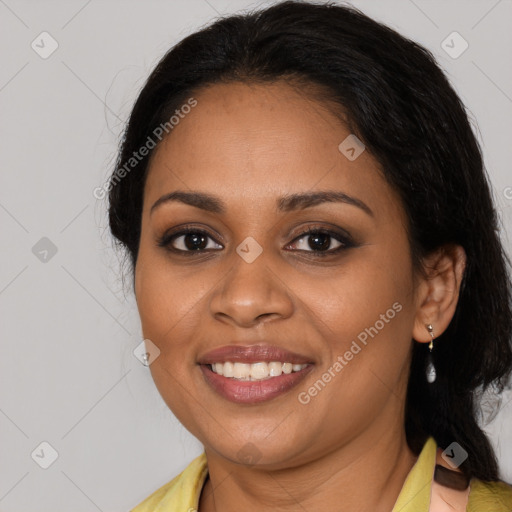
x,y
162,300
366,315
168,303
355,297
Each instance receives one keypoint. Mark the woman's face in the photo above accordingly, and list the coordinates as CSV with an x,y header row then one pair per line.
x,y
342,303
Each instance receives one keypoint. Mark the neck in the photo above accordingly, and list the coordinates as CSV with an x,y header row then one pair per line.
x,y
366,474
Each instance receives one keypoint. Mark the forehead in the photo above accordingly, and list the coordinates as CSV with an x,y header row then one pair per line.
x,y
261,141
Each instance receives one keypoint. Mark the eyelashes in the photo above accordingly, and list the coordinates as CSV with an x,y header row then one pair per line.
x,y
320,235
193,241
201,235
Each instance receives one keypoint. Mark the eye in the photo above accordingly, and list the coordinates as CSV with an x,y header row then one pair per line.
x,y
321,241
188,240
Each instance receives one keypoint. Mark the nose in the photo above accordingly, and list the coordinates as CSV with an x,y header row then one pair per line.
x,y
251,293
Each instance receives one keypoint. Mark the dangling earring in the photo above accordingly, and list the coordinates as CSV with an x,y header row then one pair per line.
x,y
431,369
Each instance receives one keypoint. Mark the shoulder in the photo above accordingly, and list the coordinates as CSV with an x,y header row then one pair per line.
x,y
181,493
487,496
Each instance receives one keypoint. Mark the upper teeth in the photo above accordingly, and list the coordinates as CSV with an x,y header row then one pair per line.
x,y
255,371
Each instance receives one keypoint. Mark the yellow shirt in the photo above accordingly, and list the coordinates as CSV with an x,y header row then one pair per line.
x,y
182,493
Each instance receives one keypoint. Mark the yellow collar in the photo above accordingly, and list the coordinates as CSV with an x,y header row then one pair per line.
x,y
415,493
183,492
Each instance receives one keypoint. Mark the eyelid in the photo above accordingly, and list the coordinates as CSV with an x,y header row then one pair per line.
x,y
338,234
185,228
342,237
179,231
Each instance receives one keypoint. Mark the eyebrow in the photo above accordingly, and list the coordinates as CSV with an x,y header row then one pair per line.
x,y
290,202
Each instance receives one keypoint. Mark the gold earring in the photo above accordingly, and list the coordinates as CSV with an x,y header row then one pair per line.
x,y
431,369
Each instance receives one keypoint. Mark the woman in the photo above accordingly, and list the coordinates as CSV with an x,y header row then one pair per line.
x,y
317,268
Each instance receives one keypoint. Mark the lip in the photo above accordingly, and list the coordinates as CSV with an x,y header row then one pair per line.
x,y
253,392
252,354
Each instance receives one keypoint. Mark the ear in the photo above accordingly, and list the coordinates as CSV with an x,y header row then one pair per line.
x,y
437,293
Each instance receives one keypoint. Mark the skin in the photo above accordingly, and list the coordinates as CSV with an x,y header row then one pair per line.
x,y
345,449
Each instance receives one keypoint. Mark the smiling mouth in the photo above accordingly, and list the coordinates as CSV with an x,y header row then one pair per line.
x,y
243,388
254,371
251,374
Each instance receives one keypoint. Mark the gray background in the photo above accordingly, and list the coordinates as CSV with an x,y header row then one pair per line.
x,y
68,374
